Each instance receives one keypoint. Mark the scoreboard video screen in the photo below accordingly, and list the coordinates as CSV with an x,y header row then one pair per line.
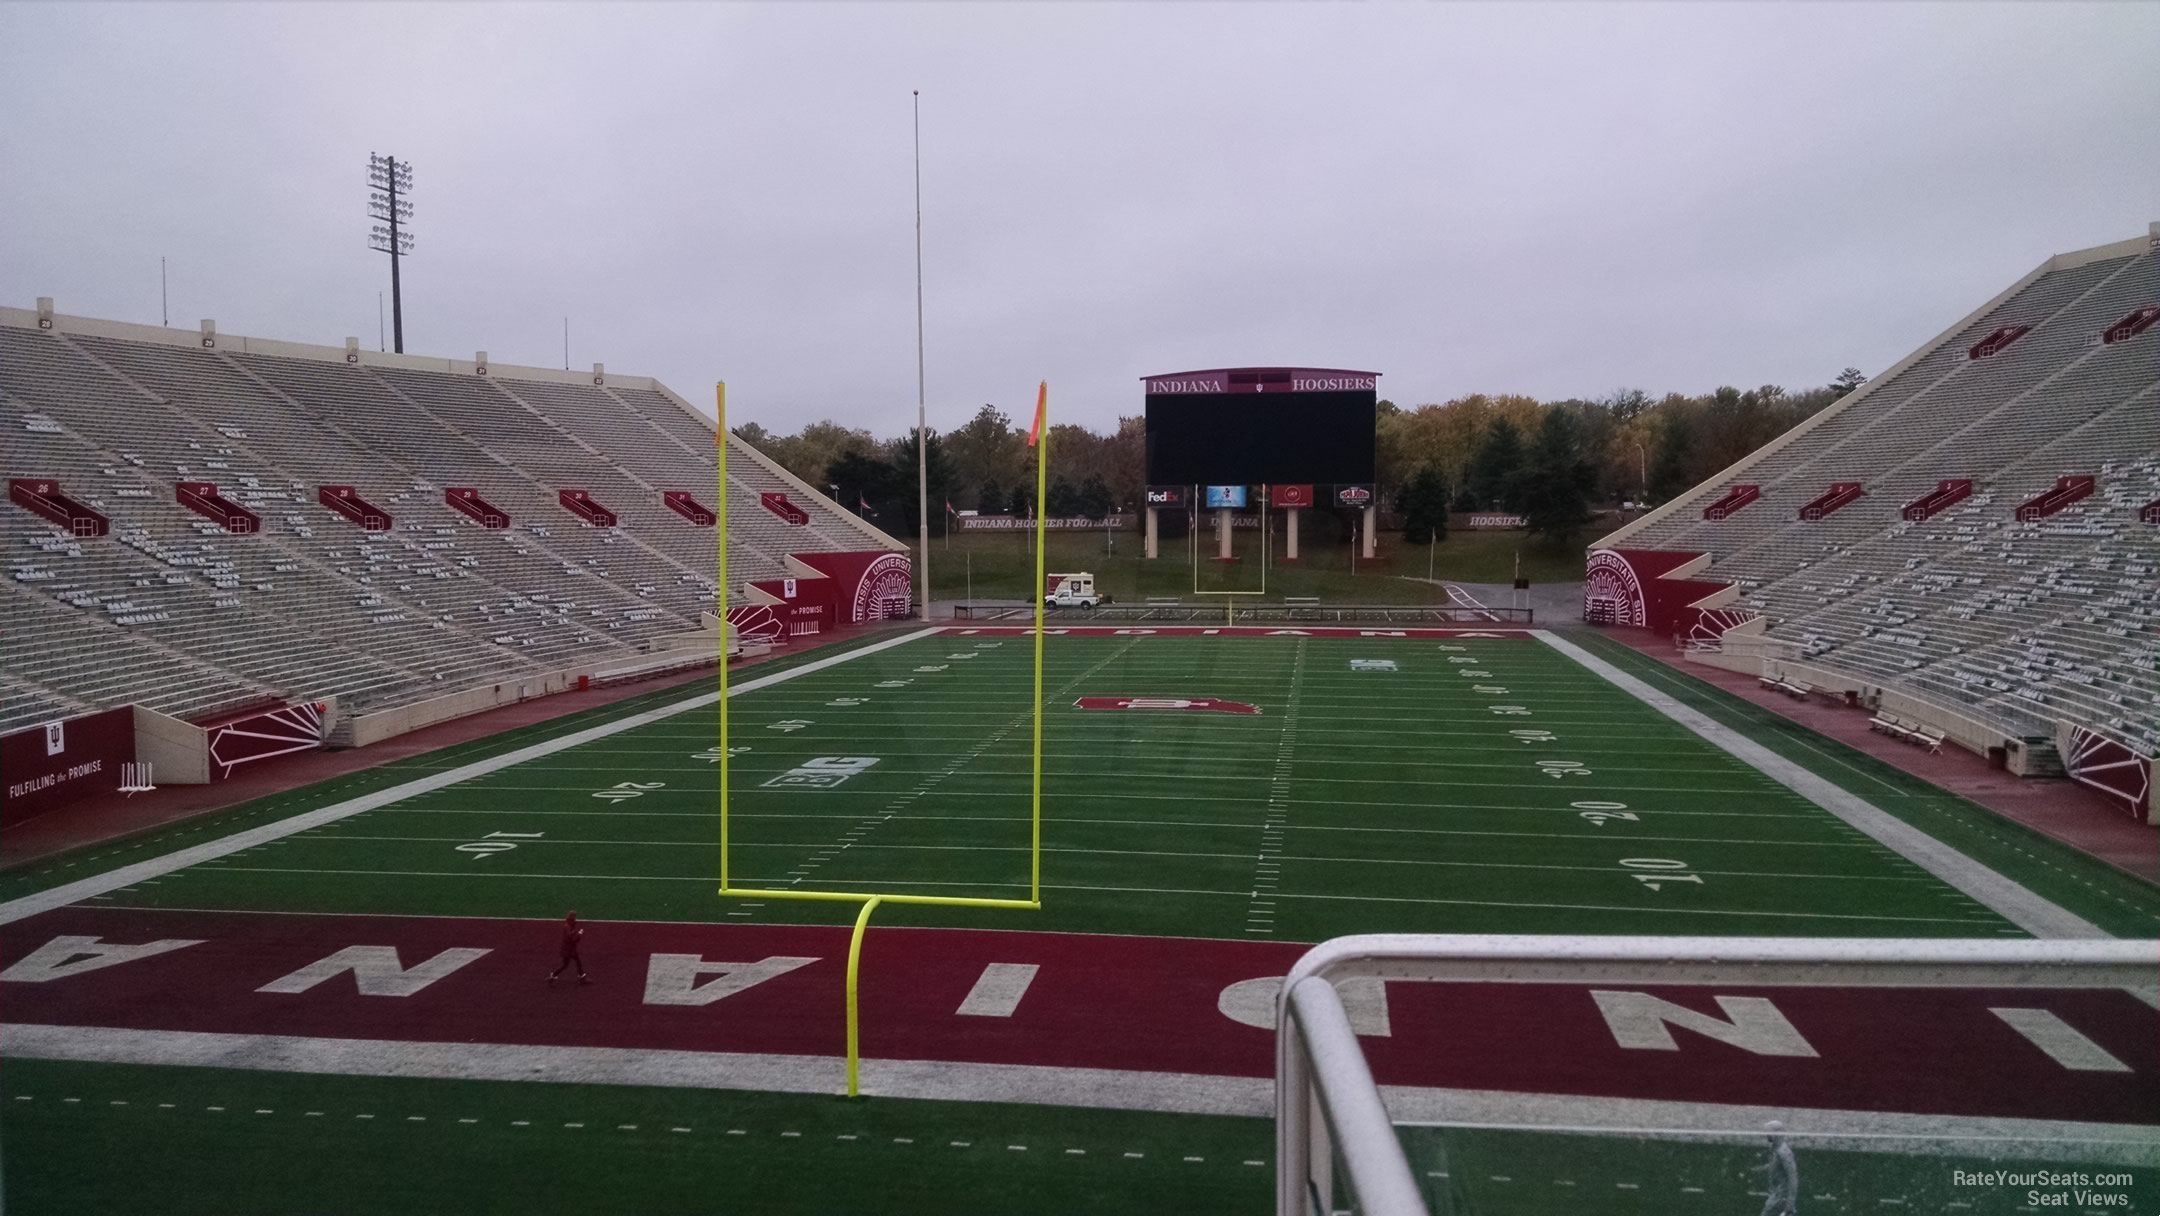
x,y
1260,425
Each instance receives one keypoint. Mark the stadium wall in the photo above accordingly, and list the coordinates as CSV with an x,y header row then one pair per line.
x,y
53,764
178,751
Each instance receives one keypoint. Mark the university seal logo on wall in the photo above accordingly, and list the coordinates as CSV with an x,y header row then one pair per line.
x,y
885,591
1611,593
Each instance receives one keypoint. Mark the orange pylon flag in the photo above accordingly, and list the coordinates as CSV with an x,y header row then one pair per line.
x,y
1042,409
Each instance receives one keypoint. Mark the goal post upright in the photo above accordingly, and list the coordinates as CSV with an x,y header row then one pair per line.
x,y
721,600
1042,583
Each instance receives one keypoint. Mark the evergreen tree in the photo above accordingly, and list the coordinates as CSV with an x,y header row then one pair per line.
x,y
1423,502
1553,489
991,499
1063,501
1672,473
1493,470
1093,498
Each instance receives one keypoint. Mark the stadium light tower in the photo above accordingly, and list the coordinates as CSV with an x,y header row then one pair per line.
x,y
389,181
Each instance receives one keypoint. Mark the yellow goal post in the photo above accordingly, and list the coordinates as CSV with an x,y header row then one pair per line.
x,y
870,900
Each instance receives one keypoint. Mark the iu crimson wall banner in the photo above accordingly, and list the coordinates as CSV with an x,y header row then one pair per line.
x,y
55,763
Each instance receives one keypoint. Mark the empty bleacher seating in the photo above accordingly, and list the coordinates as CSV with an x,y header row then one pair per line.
x,y
177,613
2020,622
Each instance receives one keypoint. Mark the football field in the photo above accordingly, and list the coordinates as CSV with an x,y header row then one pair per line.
x,y
1213,801
1308,787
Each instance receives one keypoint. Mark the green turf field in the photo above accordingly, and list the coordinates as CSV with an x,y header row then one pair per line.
x,y
1386,784
1480,786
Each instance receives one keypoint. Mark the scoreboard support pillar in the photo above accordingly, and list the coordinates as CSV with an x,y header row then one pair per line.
x,y
1222,534
1152,533
1290,533
1365,539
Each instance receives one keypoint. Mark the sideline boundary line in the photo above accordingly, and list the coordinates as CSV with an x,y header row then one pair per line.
x,y
1048,1085
157,867
1998,892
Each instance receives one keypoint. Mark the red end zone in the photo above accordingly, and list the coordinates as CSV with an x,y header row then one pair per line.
x,y
1133,1005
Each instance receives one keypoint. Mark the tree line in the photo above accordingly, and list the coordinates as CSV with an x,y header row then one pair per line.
x,y
1552,462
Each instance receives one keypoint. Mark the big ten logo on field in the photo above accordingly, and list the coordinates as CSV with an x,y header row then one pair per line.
x,y
822,772
1372,665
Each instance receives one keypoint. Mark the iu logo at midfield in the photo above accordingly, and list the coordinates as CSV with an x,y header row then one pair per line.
x,y
1199,704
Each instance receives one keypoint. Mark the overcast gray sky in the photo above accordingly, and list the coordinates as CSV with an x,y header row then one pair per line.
x,y
1539,198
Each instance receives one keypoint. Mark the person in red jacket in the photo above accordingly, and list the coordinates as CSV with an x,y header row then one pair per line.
x,y
572,933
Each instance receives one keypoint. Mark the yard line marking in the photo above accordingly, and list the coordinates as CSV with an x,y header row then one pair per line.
x,y
211,851
1242,893
1998,892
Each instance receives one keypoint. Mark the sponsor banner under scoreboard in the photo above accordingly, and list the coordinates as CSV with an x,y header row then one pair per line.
x,y
1168,496
1290,496
1355,496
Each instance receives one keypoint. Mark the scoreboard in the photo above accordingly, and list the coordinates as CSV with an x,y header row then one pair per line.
x,y
1235,426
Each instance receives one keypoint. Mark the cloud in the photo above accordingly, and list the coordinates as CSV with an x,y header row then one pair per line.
x,y
1549,199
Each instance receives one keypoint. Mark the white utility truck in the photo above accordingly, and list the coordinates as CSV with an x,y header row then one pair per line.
x,y
1071,591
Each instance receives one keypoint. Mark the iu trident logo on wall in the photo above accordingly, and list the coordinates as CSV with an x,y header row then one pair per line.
x,y
885,590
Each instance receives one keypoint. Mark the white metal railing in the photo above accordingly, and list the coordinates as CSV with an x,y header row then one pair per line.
x,y
1328,1108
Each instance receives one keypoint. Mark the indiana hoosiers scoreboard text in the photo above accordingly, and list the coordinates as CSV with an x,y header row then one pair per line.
x,y
1261,425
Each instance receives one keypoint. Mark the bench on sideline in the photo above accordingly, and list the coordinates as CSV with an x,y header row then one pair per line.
x,y
1911,732
1790,687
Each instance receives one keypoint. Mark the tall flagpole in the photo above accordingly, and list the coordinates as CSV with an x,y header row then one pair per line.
x,y
922,409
